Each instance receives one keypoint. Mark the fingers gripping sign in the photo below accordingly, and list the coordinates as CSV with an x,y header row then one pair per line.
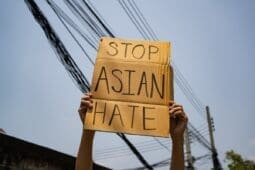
x,y
86,103
84,156
178,120
132,83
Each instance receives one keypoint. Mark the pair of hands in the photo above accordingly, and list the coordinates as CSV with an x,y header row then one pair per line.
x,y
178,118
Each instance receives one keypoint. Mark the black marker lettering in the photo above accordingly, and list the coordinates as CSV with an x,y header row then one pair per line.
x,y
114,45
102,78
154,83
135,47
126,47
116,107
118,78
97,112
133,114
129,82
151,51
143,82
147,118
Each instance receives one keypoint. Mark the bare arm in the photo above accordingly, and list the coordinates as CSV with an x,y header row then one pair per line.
x,y
84,157
178,123
177,162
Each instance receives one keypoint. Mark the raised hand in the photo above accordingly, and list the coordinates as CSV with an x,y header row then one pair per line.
x,y
178,120
86,103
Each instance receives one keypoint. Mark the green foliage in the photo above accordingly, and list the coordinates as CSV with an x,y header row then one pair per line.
x,y
236,162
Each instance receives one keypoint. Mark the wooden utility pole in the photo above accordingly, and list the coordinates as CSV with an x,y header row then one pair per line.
x,y
188,151
216,162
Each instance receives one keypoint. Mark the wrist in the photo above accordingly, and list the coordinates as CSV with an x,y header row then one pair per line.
x,y
178,139
87,139
88,133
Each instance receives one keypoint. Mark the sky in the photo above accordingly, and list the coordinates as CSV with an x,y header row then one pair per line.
x,y
212,45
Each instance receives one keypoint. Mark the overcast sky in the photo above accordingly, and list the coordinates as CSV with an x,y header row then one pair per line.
x,y
212,45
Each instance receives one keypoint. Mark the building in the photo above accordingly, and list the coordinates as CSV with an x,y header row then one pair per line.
x,y
17,154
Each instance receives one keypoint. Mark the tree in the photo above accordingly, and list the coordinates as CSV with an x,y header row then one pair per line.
x,y
236,162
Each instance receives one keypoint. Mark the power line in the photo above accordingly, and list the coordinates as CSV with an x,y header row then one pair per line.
x,y
96,31
181,82
142,18
200,138
127,151
196,103
84,21
56,9
147,33
186,92
162,144
121,154
62,54
98,19
92,22
144,144
101,18
71,67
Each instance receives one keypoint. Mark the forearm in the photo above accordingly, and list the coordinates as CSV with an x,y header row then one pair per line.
x,y
84,157
177,162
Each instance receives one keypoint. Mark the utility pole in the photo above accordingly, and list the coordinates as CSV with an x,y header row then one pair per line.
x,y
216,162
188,151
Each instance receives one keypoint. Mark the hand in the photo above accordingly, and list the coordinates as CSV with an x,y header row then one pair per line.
x,y
84,157
178,121
86,103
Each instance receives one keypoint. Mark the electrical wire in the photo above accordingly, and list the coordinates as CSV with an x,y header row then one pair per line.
x,y
120,150
56,10
147,33
97,30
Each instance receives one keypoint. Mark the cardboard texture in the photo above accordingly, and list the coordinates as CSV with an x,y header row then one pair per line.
x,y
131,86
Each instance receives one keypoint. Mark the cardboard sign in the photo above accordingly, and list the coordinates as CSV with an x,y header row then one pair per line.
x,y
132,85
